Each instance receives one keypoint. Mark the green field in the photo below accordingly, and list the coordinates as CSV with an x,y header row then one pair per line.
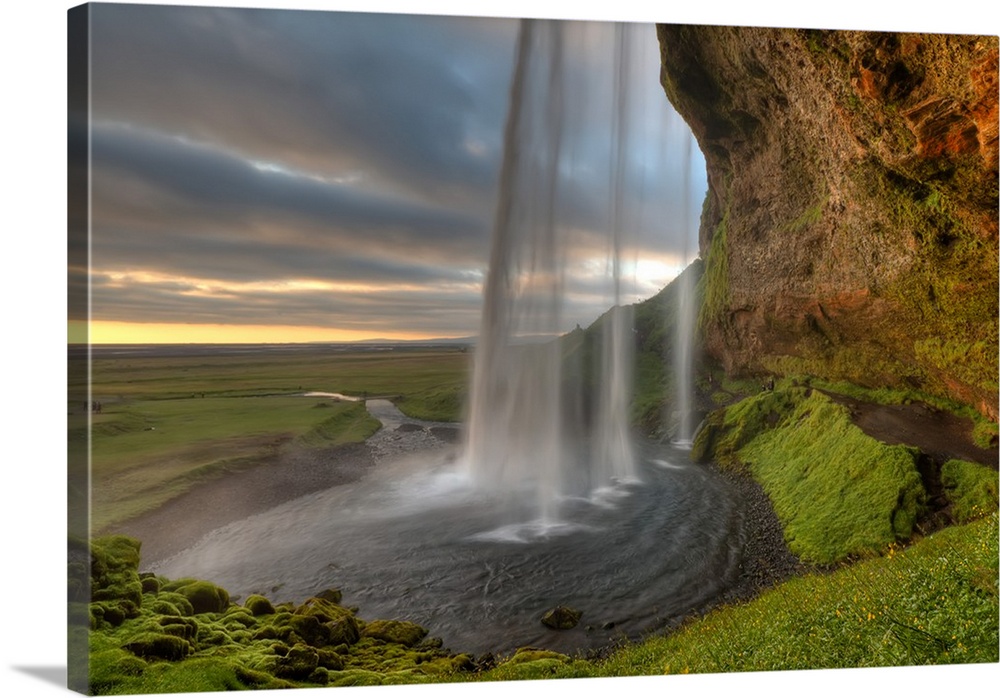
x,y
168,423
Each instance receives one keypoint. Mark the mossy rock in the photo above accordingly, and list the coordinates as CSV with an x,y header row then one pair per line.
x,y
150,584
171,604
300,661
108,668
109,613
205,597
159,646
331,595
340,623
401,632
320,676
331,660
259,605
237,617
186,628
310,629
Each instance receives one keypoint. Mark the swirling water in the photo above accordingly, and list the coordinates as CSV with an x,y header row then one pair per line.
x,y
414,540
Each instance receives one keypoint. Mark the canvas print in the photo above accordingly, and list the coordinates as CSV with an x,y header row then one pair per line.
x,y
418,349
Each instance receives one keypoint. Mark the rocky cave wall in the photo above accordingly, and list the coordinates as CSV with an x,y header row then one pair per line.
x,y
850,229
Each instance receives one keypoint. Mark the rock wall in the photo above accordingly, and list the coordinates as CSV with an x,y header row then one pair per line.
x,y
850,229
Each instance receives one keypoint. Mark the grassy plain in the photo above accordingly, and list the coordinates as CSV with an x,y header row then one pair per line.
x,y
169,422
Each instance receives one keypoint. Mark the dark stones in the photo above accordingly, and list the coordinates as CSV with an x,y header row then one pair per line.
x,y
561,618
331,595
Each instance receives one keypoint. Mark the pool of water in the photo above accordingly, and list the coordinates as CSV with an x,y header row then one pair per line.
x,y
414,540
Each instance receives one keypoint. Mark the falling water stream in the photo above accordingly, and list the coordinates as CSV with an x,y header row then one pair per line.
x,y
549,499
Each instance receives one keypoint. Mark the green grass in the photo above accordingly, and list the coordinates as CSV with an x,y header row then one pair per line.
x,y
399,372
838,492
971,488
933,603
170,423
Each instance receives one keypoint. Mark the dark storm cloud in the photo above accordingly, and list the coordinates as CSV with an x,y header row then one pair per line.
x,y
208,182
233,146
402,96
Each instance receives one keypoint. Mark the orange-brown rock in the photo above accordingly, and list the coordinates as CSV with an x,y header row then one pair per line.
x,y
851,226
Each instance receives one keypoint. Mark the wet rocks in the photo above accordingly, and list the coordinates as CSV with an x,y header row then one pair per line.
x,y
561,618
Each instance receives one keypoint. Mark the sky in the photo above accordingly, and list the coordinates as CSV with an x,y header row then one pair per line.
x,y
299,175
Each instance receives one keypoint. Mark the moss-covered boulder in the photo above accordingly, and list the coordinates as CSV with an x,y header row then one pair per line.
x,y
401,632
340,624
259,605
158,646
172,604
331,595
185,628
204,597
299,663
114,576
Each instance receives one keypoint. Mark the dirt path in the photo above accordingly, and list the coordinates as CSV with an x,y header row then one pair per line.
x,y
939,434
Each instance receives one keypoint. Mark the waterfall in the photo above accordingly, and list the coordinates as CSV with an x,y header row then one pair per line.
x,y
529,438
684,326
514,440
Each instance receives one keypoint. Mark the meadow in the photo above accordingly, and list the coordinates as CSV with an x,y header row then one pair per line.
x,y
170,422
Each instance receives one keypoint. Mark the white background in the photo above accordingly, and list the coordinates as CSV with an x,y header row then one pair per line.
x,y
33,264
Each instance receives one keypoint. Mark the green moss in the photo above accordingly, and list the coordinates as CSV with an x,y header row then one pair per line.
x,y
726,431
713,287
944,291
439,404
838,492
114,573
172,603
809,217
971,488
158,646
203,596
300,661
355,677
259,605
397,631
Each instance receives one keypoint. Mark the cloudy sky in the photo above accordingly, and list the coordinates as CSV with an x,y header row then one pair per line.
x,y
296,175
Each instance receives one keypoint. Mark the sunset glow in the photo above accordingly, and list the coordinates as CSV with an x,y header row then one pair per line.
x,y
104,332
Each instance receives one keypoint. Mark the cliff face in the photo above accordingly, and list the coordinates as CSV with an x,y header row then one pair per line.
x,y
850,229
